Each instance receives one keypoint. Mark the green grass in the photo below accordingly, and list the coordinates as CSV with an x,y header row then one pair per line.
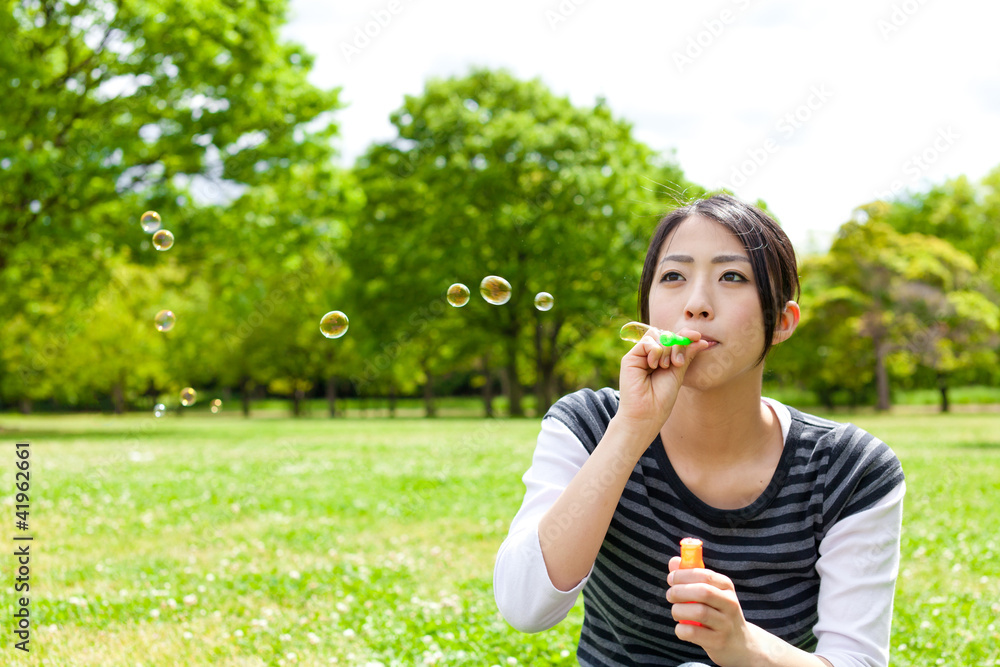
x,y
213,540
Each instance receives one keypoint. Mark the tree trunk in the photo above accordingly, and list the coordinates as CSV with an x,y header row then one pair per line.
x,y
488,387
429,409
331,396
943,388
513,384
545,367
297,395
392,400
245,395
118,394
881,374
24,406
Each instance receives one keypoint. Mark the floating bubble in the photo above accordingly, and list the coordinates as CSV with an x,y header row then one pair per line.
x,y
216,405
458,295
495,290
164,320
163,240
544,301
334,324
159,410
188,396
150,221
634,331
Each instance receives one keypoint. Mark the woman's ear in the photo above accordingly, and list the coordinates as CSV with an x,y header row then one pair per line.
x,y
787,322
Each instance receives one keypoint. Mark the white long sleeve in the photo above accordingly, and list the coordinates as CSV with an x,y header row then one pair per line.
x,y
524,593
858,564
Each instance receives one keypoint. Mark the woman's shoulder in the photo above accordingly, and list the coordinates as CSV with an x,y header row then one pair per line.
x,y
586,413
858,468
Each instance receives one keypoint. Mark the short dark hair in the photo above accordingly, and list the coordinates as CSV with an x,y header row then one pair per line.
x,y
771,254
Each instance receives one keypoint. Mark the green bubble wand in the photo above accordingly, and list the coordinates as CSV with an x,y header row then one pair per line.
x,y
634,331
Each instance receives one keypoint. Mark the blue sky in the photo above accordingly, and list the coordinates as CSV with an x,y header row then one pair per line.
x,y
814,107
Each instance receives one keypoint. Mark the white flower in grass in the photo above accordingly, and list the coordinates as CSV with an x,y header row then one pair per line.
x,y
294,574
349,633
191,599
313,638
285,637
155,613
238,633
188,635
292,656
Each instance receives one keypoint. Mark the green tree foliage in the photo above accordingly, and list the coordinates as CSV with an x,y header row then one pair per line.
x,y
489,175
111,108
887,301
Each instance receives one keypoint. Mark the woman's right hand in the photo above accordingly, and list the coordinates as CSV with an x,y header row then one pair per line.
x,y
651,376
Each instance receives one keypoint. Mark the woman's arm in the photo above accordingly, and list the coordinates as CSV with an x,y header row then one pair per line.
x,y
858,565
525,595
572,531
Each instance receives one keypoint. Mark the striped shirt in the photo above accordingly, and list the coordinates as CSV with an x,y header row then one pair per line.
x,y
771,549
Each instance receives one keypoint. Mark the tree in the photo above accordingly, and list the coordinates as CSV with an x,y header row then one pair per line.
x,y
489,175
114,108
895,290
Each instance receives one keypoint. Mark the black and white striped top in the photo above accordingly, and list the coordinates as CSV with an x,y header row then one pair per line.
x,y
813,559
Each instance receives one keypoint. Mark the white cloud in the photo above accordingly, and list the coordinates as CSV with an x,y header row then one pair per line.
x,y
899,72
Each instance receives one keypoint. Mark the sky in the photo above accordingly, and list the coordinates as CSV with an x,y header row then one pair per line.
x,y
813,107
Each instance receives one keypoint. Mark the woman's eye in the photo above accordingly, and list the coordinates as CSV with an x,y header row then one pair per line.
x,y
670,276
733,277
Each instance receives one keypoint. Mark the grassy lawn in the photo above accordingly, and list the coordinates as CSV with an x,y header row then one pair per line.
x,y
214,540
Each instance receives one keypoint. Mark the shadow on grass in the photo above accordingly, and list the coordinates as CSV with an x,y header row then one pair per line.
x,y
977,445
106,436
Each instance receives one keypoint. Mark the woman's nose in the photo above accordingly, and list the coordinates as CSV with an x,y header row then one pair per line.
x,y
698,305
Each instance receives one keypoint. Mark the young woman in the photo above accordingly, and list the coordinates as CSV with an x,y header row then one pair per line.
x,y
800,516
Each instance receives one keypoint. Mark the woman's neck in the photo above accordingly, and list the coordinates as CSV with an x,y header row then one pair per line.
x,y
722,426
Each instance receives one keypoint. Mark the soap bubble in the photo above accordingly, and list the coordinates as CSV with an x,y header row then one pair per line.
x,y
334,324
495,290
150,221
216,405
634,331
164,320
163,240
188,396
458,295
159,410
544,301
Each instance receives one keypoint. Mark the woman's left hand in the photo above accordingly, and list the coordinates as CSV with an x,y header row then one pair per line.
x,y
724,633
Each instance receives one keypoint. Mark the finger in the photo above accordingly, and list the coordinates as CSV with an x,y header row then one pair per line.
x,y
692,612
654,352
673,564
697,575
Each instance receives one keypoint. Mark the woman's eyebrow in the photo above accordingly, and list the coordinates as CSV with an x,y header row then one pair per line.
x,y
718,259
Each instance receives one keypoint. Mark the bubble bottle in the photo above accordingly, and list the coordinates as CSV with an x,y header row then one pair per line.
x,y
690,559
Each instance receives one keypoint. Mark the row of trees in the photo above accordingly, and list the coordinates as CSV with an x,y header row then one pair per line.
x,y
203,115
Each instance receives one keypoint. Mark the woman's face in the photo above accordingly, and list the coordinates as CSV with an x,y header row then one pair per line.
x,y
704,281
